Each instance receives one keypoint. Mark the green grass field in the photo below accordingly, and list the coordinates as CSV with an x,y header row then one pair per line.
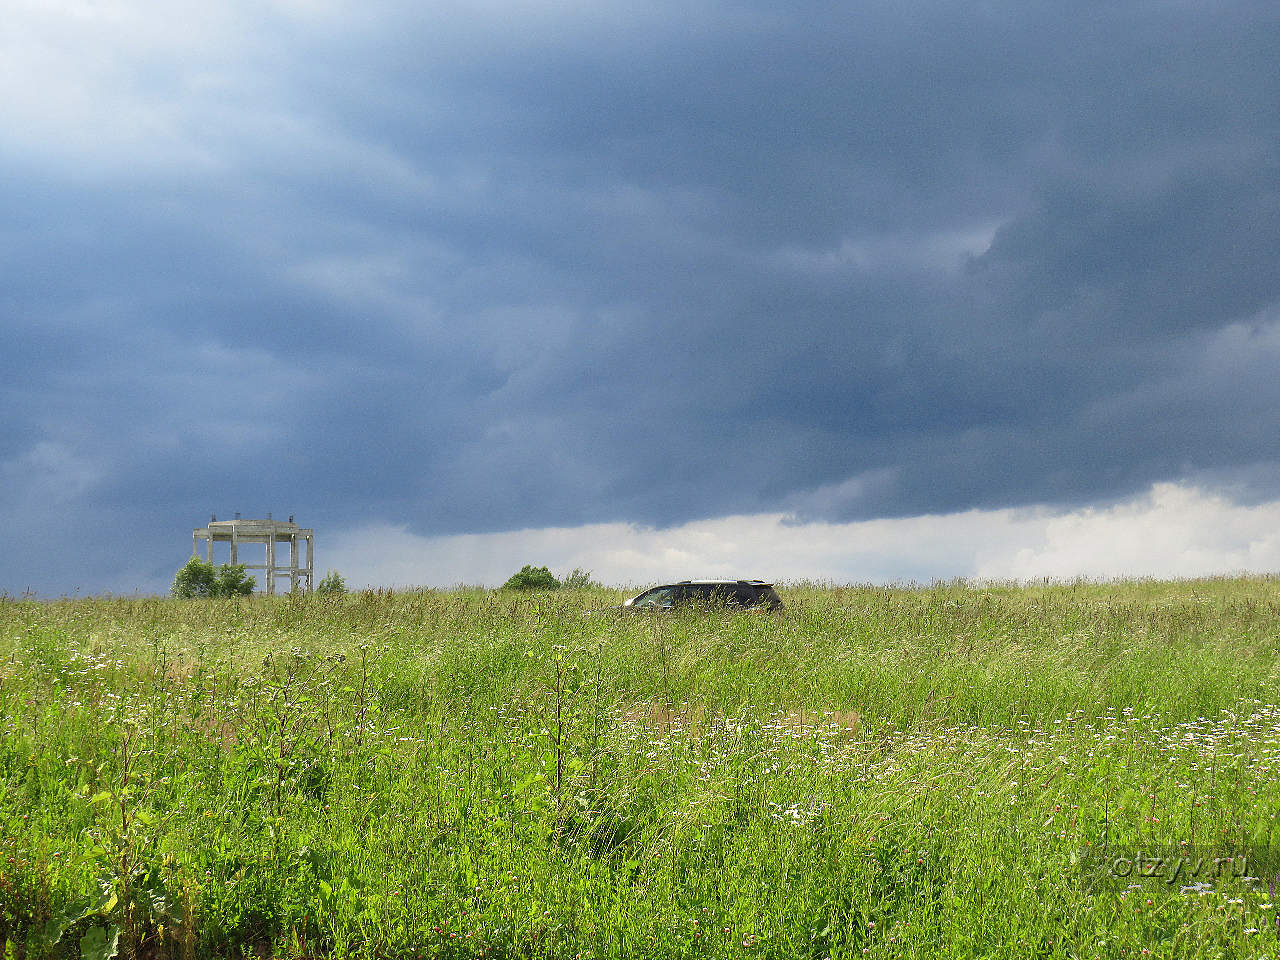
x,y
943,772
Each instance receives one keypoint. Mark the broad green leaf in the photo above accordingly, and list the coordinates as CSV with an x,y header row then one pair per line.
x,y
99,943
159,897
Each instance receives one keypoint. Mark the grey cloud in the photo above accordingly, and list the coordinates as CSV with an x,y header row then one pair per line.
x,y
472,271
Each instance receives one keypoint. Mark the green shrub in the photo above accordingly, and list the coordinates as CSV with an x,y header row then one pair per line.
x,y
199,579
532,578
233,581
333,583
579,579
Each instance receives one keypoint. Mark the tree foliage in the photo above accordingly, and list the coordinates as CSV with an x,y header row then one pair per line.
x,y
333,583
233,581
198,578
532,578
579,579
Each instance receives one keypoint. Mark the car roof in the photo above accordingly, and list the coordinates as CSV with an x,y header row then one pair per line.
x,y
750,583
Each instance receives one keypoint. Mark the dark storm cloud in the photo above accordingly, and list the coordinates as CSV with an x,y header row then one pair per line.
x,y
486,268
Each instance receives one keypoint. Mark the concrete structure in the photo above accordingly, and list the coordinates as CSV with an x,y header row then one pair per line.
x,y
269,532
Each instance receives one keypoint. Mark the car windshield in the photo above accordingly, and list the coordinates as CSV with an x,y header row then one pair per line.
x,y
657,597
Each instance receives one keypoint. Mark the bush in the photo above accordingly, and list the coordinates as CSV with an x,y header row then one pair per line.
x,y
532,578
199,579
233,581
579,579
196,579
333,582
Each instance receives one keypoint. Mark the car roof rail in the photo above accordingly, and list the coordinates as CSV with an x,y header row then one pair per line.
x,y
753,583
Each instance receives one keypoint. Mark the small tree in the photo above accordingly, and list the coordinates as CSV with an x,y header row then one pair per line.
x,y
199,579
234,582
333,582
196,579
532,578
579,579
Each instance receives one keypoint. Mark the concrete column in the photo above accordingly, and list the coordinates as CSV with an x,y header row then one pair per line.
x,y
235,553
293,563
311,563
271,563
208,555
195,545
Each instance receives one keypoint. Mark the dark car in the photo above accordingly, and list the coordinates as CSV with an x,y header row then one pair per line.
x,y
728,594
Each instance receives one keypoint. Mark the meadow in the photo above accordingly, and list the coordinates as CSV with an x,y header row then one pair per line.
x,y
1069,770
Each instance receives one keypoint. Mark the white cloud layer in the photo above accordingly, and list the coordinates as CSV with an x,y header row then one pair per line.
x,y
1172,531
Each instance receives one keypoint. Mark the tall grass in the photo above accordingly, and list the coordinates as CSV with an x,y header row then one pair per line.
x,y
949,771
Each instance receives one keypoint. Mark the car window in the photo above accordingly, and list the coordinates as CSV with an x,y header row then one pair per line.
x,y
713,594
697,593
736,595
657,597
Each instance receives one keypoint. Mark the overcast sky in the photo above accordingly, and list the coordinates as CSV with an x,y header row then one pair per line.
x,y
707,284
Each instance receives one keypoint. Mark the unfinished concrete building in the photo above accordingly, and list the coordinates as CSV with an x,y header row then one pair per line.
x,y
270,532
